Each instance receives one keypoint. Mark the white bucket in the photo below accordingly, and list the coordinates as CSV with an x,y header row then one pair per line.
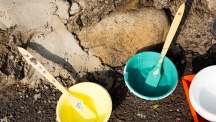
x,y
202,93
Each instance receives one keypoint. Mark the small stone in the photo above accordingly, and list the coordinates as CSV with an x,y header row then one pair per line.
x,y
144,116
4,119
139,114
213,26
189,55
46,87
37,90
36,96
10,105
210,20
74,8
182,61
178,119
213,41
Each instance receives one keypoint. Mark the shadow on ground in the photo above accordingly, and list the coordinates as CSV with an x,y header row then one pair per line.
x,y
117,90
202,61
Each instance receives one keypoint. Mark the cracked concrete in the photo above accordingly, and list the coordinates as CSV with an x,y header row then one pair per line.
x,y
50,41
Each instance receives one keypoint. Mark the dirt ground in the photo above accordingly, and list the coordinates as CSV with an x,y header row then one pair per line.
x,y
193,49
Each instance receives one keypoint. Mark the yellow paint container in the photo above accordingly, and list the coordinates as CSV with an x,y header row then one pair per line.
x,y
93,95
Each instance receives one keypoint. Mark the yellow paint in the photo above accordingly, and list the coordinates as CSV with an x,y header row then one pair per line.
x,y
93,95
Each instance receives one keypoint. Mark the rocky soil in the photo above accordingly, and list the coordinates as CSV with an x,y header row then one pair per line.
x,y
91,41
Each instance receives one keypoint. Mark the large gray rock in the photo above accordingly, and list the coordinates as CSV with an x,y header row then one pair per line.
x,y
119,36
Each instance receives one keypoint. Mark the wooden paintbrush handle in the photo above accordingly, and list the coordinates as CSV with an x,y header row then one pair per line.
x,y
174,26
39,67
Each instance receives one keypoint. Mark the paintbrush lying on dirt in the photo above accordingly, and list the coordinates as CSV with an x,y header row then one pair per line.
x,y
78,104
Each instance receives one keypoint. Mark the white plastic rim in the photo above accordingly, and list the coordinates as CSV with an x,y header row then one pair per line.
x,y
202,93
